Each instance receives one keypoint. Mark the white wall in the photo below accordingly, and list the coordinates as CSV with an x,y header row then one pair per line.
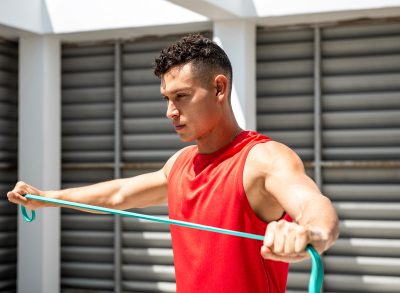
x,y
39,160
25,15
60,17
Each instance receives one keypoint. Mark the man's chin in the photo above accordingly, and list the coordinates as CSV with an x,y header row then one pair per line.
x,y
185,138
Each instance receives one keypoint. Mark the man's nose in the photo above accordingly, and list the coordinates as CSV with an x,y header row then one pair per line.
x,y
172,111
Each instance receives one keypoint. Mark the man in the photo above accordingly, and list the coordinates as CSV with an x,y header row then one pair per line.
x,y
233,179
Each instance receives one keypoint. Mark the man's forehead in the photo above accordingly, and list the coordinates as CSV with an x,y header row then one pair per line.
x,y
177,76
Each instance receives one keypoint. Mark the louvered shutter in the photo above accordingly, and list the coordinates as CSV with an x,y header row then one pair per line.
x,y
114,124
361,122
285,110
148,141
87,240
360,140
8,163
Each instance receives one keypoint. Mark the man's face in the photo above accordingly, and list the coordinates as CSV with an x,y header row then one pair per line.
x,y
192,102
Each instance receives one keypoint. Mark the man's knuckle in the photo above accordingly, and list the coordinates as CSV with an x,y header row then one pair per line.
x,y
281,224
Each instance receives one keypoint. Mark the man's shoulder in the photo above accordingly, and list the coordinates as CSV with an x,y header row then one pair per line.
x,y
270,150
272,155
171,161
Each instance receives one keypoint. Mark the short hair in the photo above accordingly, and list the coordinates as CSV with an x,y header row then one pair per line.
x,y
208,58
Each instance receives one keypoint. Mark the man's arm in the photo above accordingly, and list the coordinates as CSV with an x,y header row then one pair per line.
x,y
139,191
315,220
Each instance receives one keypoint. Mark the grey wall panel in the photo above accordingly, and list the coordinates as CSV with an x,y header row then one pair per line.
x,y
84,50
364,176
362,83
158,125
358,46
88,103
371,210
146,109
367,201
362,119
275,69
147,134
87,137
364,64
282,104
94,76
361,283
360,89
367,247
137,93
285,50
140,76
381,192
361,101
285,87
87,80
89,62
359,31
8,163
147,137
285,102
282,36
88,95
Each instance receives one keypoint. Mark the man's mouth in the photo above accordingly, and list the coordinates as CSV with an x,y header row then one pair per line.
x,y
178,127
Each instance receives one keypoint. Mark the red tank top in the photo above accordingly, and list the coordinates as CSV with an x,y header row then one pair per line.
x,y
208,189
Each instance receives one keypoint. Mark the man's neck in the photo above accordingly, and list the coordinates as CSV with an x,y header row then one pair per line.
x,y
216,140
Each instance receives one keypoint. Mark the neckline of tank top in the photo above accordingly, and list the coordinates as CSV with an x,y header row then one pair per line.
x,y
239,137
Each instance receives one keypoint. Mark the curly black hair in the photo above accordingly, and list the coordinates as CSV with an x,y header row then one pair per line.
x,y
207,58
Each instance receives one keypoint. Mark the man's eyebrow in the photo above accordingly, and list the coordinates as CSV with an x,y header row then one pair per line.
x,y
177,90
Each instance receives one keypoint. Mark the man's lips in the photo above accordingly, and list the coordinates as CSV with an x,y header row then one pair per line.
x,y
179,126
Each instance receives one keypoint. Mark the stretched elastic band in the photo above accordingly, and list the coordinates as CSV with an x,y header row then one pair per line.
x,y
317,270
26,216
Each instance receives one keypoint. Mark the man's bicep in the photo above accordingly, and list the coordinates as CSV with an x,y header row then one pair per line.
x,y
148,189
144,190
288,183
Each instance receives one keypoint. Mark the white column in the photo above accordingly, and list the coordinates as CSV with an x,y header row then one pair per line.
x,y
238,39
39,161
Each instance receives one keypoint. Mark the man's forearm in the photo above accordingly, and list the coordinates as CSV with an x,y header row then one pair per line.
x,y
323,224
99,194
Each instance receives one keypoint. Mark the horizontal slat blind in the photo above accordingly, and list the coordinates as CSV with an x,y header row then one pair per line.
x,y
361,100
360,84
148,137
361,112
89,156
285,88
87,245
8,163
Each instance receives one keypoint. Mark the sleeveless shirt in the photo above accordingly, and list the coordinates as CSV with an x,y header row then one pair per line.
x,y
208,189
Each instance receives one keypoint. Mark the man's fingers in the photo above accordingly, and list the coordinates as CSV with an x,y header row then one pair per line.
x,y
280,238
269,234
268,254
301,241
290,239
16,198
285,241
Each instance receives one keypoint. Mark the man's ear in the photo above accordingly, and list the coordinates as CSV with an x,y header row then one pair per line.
x,y
221,85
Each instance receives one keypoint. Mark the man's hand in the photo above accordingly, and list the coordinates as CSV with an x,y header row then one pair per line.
x,y
17,196
287,241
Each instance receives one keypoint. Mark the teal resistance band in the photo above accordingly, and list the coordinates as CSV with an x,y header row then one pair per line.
x,y
317,271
